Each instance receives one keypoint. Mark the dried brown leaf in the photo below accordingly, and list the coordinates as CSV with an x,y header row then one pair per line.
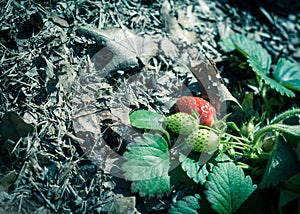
x,y
7,180
123,48
124,205
208,77
180,28
13,127
60,21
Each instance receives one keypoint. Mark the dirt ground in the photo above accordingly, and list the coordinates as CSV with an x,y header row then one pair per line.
x,y
66,89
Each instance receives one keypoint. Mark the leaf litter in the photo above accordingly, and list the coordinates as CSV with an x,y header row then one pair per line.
x,y
49,77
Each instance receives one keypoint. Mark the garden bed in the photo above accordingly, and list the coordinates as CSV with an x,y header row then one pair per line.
x,y
86,87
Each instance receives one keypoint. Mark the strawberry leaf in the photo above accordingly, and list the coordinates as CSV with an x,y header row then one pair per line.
x,y
249,48
147,164
189,204
228,188
258,59
287,73
289,190
143,119
193,169
282,165
269,81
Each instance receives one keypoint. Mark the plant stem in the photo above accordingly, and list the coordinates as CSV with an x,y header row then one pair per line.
x,y
251,156
238,139
237,144
265,130
243,165
285,114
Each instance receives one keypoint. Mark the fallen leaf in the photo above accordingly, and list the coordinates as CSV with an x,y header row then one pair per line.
x,y
208,77
36,19
60,21
169,48
180,28
7,180
13,127
123,48
123,204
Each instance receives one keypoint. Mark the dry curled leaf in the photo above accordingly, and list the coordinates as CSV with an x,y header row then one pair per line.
x,y
7,180
60,21
126,204
123,48
181,27
13,127
208,77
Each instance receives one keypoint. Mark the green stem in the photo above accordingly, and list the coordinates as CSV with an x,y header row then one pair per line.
x,y
237,144
238,139
264,131
285,114
251,156
243,165
264,97
168,135
238,147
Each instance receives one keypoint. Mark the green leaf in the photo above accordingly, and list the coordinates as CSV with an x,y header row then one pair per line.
x,y
289,129
189,204
233,126
228,188
227,44
157,186
147,165
257,68
258,59
193,169
287,73
143,119
282,165
249,48
289,190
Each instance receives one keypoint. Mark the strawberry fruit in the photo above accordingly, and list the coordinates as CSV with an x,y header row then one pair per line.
x,y
182,123
204,109
202,140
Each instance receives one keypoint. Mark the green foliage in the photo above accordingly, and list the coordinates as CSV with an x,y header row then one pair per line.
x,y
290,129
228,188
157,186
193,169
287,73
260,61
249,48
289,190
189,204
147,164
282,165
269,81
143,119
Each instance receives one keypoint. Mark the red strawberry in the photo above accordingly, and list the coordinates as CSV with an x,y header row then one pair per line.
x,y
205,110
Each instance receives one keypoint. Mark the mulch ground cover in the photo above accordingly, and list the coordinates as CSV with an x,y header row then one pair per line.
x,y
72,73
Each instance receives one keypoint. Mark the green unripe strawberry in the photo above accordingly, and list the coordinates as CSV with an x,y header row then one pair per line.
x,y
182,123
203,140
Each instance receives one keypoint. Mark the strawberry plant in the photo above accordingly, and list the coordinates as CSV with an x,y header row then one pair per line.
x,y
226,177
227,162
284,78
